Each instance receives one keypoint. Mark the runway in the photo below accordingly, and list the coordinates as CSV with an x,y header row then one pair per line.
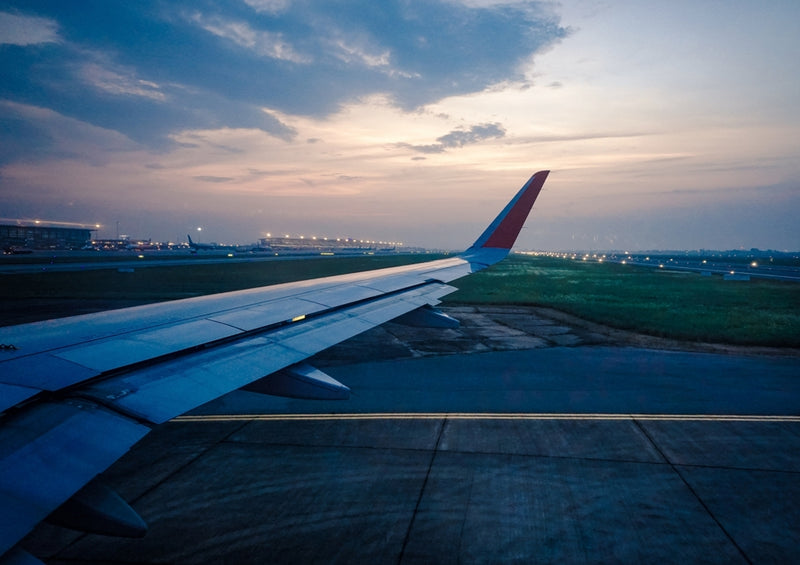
x,y
129,261
515,449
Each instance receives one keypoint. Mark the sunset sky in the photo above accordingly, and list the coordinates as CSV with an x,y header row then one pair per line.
x,y
666,125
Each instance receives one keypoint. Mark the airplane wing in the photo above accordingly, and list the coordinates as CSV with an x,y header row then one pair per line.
x,y
77,393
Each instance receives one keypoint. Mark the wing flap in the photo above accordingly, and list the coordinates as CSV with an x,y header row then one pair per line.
x,y
121,351
48,453
44,372
11,395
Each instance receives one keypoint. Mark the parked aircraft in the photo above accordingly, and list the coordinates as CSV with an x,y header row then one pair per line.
x,y
76,393
195,247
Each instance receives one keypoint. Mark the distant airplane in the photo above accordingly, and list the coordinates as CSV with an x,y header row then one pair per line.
x,y
142,246
77,393
197,246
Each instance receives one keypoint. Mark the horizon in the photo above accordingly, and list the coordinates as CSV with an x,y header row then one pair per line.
x,y
664,126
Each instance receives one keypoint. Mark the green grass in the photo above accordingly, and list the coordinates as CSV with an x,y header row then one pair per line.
x,y
173,282
685,306
678,305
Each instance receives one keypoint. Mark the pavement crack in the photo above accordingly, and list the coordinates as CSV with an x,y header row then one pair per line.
x,y
691,489
422,491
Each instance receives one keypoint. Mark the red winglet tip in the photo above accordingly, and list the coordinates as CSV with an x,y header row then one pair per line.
x,y
506,232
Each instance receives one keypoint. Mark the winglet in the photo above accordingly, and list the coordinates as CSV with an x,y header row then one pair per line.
x,y
503,231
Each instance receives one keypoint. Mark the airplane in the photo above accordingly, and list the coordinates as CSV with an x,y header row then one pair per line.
x,y
195,247
77,393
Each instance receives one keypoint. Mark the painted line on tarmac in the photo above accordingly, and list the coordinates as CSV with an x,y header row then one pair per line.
x,y
487,416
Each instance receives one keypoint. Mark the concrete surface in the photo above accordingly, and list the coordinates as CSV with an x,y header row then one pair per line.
x,y
547,454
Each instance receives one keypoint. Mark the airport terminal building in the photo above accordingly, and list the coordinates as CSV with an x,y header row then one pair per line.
x,y
43,237
288,244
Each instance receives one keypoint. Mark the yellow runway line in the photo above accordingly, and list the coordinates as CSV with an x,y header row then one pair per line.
x,y
487,416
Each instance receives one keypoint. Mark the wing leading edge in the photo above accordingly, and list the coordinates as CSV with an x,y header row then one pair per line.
x,y
77,393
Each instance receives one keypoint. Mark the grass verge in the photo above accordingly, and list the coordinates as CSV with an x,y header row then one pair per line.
x,y
677,305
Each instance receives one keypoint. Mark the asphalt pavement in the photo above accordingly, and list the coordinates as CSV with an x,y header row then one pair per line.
x,y
528,441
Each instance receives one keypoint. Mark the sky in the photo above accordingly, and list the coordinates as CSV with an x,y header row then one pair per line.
x,y
666,125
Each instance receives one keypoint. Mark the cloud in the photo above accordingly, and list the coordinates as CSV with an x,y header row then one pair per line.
x,y
351,52
209,178
459,138
429,149
269,6
34,133
27,30
217,67
121,83
263,43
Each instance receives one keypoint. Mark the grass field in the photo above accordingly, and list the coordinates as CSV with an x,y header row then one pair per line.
x,y
679,305
156,283
676,305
